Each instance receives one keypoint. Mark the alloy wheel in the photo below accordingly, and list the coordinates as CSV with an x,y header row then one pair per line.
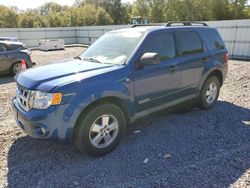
x,y
211,93
103,131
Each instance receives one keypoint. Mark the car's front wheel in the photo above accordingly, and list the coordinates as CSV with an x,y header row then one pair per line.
x,y
209,93
100,130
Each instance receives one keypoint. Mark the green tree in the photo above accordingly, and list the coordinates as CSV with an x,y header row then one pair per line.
x,y
58,19
126,12
102,12
220,9
203,10
73,17
8,17
31,18
173,10
50,8
116,10
237,8
88,14
102,17
141,8
156,11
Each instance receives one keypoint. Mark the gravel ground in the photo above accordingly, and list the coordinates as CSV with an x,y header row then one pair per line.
x,y
167,149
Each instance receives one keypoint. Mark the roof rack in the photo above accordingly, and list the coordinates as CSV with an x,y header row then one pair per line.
x,y
185,23
138,25
168,24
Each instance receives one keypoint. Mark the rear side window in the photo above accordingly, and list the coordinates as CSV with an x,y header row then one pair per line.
x,y
12,47
163,44
214,39
2,48
188,43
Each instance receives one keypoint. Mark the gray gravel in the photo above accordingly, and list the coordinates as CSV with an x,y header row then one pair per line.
x,y
167,149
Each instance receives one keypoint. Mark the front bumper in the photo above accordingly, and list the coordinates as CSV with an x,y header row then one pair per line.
x,y
56,122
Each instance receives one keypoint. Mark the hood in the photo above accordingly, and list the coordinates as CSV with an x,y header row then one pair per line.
x,y
49,76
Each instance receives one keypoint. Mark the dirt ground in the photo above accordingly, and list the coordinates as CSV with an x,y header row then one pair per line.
x,y
7,92
217,156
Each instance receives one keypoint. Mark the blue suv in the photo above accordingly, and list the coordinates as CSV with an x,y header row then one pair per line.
x,y
124,75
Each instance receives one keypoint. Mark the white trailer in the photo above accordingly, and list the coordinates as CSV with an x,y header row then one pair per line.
x,y
46,45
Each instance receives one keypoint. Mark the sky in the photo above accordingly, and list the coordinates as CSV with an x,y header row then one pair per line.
x,y
24,4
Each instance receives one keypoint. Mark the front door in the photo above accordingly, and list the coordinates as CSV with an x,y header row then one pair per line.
x,y
3,58
156,84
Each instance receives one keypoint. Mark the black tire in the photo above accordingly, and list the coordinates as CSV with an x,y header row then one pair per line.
x,y
12,68
83,133
203,99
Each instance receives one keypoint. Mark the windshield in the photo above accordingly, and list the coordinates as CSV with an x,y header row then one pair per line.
x,y
113,47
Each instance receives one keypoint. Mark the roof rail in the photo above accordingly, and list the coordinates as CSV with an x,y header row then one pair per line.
x,y
185,23
139,25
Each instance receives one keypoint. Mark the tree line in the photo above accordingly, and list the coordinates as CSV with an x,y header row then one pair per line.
x,y
105,12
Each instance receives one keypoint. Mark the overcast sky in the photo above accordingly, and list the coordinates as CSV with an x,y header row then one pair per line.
x,y
24,4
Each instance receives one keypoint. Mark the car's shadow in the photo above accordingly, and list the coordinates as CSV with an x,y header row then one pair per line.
x,y
197,149
6,78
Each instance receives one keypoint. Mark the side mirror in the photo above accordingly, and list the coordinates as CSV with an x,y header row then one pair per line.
x,y
150,58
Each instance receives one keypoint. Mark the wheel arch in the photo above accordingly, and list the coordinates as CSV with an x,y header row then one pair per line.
x,y
215,72
105,100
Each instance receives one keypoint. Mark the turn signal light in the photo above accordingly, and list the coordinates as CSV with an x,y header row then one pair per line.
x,y
56,98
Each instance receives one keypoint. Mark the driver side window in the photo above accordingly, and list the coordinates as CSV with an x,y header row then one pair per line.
x,y
163,44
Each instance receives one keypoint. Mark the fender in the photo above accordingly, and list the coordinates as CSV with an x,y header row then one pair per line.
x,y
117,84
121,89
214,66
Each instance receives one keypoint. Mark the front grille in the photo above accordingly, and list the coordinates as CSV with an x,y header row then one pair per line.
x,y
23,96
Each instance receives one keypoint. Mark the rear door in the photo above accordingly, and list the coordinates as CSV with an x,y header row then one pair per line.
x,y
192,53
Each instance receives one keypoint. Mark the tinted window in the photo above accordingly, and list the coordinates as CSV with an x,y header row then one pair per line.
x,y
12,47
2,48
214,39
163,44
188,43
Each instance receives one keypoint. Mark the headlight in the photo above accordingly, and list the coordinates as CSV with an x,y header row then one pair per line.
x,y
43,100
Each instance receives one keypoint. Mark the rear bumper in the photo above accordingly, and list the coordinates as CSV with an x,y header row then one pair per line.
x,y
29,62
56,122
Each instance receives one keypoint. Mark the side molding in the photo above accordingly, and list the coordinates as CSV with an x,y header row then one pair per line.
x,y
163,106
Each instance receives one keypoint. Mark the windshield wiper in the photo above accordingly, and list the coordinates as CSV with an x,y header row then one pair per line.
x,y
91,59
78,57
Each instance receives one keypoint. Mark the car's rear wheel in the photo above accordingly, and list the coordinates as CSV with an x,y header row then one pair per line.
x,y
209,93
15,68
100,130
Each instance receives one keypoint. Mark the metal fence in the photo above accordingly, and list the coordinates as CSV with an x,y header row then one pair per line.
x,y
236,34
31,36
71,35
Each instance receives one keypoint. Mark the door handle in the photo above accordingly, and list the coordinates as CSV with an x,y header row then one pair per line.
x,y
172,68
205,59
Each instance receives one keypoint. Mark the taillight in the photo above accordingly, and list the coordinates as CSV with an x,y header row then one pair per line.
x,y
226,58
